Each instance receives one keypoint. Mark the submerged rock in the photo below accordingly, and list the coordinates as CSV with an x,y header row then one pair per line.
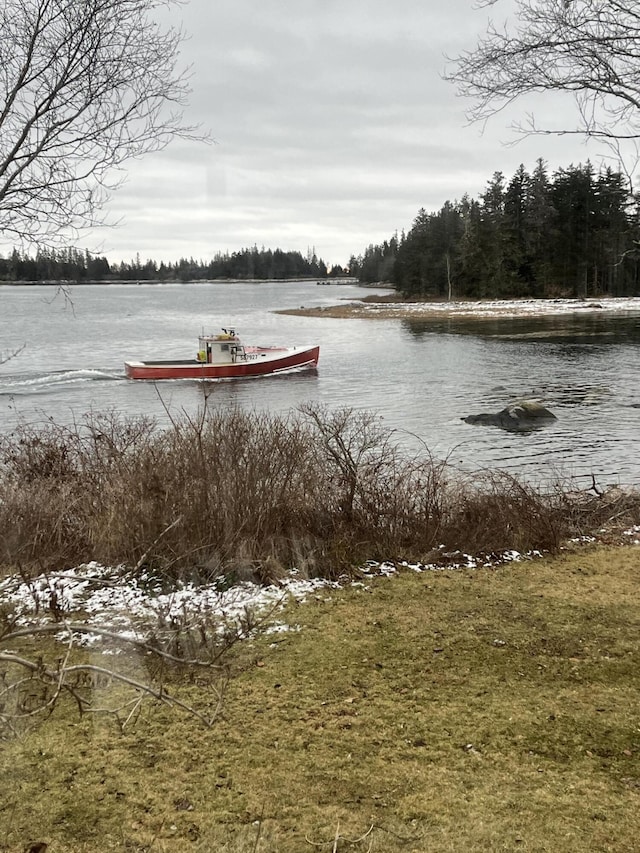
x,y
521,416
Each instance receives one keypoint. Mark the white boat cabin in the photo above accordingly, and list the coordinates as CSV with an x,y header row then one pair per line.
x,y
224,348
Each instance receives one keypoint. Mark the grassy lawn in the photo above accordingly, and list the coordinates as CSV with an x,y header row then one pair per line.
x,y
482,710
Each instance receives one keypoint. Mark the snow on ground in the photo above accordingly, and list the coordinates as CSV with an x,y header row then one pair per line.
x,y
109,599
500,307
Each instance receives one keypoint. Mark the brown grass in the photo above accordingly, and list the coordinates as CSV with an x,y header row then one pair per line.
x,y
484,710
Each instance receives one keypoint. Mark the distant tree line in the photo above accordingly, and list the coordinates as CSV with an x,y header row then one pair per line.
x,y
78,266
576,233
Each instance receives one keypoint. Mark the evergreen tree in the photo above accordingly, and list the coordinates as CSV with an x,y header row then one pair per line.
x,y
573,196
473,281
577,234
539,219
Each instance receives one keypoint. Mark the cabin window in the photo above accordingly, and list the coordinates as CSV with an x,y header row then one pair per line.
x,y
225,347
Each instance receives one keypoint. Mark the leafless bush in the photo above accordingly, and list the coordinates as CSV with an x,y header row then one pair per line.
x,y
379,501
252,495
246,496
495,512
596,510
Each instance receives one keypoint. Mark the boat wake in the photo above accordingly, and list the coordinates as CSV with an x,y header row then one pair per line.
x,y
23,384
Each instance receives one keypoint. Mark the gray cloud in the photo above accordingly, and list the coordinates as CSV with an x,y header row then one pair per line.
x,y
333,126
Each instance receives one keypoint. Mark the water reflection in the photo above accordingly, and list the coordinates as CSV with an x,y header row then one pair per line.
x,y
572,330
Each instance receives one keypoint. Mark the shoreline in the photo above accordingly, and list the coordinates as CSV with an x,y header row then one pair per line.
x,y
369,309
66,283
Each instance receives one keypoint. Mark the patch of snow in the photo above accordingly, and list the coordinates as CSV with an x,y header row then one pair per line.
x,y
507,307
109,600
459,560
633,532
106,599
281,628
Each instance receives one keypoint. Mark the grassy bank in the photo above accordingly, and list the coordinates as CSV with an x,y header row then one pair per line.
x,y
489,709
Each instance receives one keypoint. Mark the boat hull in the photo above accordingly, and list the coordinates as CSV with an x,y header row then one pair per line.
x,y
259,361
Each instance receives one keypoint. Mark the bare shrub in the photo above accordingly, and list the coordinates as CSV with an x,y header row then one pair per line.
x,y
252,495
496,512
52,485
247,496
50,655
378,501
34,683
596,510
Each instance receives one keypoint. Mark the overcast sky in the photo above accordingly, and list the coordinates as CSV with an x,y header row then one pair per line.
x,y
333,127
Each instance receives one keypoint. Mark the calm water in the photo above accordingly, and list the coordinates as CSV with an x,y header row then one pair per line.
x,y
420,377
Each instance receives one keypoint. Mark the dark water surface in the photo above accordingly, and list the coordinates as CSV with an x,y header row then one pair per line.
x,y
421,377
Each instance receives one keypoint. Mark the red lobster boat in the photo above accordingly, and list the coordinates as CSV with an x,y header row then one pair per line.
x,y
224,356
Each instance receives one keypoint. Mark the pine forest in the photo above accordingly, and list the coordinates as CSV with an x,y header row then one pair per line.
x,y
574,233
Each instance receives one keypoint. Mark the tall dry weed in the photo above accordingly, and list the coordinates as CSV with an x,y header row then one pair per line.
x,y
252,495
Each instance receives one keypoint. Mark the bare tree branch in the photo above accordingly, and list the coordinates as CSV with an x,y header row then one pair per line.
x,y
60,678
7,356
77,628
169,641
85,85
587,48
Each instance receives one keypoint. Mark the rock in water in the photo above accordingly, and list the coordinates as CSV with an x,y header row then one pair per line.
x,y
522,416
